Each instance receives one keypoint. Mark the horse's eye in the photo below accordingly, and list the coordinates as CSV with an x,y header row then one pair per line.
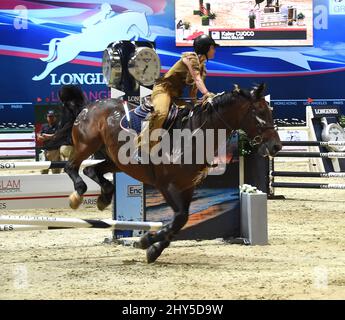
x,y
262,112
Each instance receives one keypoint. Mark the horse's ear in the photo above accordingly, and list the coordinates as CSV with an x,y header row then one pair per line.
x,y
258,91
236,88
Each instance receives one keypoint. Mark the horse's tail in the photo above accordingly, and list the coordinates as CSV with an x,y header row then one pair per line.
x,y
73,98
52,50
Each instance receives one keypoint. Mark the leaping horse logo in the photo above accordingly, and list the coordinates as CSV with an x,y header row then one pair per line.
x,y
124,26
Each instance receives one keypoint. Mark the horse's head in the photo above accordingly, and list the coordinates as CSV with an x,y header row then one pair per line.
x,y
257,122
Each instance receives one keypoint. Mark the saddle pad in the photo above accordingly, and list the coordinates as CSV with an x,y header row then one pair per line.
x,y
140,114
136,116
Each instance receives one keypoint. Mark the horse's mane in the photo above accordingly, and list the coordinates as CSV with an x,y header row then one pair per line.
x,y
199,112
227,98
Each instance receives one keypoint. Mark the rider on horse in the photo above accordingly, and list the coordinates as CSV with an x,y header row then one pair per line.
x,y
190,71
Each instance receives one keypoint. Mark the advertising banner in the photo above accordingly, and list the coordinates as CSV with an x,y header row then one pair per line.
x,y
46,44
246,23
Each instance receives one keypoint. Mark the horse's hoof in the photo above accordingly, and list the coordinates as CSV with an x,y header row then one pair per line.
x,y
101,204
75,200
152,254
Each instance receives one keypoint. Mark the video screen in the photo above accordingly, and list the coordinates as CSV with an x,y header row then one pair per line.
x,y
245,22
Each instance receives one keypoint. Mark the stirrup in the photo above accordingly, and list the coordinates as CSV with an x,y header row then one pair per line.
x,y
137,156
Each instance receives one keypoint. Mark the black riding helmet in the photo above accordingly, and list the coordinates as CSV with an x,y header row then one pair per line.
x,y
203,43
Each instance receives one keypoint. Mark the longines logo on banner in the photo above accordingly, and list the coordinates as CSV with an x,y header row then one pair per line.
x,y
325,111
9,186
133,99
77,78
134,190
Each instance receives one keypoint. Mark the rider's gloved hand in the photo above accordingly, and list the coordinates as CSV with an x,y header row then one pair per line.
x,y
207,98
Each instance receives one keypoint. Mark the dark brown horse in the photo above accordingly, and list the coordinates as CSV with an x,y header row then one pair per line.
x,y
97,127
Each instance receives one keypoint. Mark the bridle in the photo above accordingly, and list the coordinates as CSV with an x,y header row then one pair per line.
x,y
260,125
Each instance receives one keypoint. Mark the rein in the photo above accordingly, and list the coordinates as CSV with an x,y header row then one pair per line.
x,y
251,110
261,127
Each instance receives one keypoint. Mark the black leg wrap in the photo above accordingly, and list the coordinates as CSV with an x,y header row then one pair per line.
x,y
148,239
89,171
107,187
165,234
70,170
145,241
80,186
104,200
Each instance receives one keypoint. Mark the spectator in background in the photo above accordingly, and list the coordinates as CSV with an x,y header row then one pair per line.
x,y
45,136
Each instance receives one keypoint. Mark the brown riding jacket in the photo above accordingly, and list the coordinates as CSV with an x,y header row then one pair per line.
x,y
178,77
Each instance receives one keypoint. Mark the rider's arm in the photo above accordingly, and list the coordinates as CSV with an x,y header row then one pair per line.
x,y
48,136
193,92
196,76
40,137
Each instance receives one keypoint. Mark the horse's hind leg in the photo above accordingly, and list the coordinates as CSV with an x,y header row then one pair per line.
x,y
96,173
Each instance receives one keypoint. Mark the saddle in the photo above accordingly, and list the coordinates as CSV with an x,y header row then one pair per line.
x,y
134,118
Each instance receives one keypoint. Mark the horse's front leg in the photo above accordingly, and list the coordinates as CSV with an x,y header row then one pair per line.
x,y
80,187
81,152
96,173
180,201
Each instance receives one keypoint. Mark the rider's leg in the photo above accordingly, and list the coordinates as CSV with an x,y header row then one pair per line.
x,y
161,101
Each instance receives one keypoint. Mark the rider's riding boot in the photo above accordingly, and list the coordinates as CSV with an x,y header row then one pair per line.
x,y
143,142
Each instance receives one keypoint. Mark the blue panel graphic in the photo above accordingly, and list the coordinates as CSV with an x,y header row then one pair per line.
x,y
45,44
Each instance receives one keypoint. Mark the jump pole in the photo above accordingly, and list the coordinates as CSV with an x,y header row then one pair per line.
x,y
20,227
310,154
313,143
63,223
41,165
308,174
307,185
